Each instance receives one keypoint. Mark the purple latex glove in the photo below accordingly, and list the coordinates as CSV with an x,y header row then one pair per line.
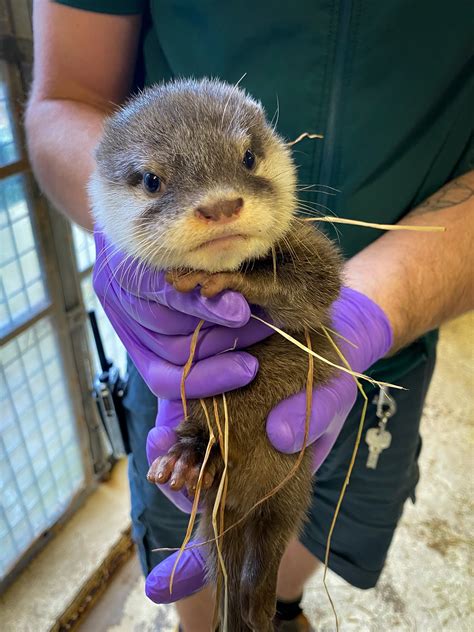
x,y
155,322
364,324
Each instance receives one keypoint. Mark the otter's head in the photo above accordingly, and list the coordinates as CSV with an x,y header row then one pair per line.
x,y
190,174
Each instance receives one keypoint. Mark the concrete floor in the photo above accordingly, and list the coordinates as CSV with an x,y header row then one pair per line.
x,y
427,583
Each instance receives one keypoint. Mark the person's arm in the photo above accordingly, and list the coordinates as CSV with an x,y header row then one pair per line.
x,y
420,280
83,68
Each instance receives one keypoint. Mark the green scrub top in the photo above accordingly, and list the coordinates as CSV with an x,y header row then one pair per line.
x,y
390,85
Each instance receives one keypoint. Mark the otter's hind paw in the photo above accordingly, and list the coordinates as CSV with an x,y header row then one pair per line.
x,y
181,467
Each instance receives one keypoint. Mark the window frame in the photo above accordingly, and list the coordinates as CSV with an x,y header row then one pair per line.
x,y
55,246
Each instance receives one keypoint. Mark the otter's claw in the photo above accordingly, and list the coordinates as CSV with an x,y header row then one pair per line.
x,y
186,281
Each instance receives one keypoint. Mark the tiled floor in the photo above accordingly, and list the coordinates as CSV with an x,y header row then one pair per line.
x,y
427,583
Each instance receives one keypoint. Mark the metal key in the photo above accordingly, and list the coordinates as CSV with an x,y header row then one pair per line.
x,y
378,440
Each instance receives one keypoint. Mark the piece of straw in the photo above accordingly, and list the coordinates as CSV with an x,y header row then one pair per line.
x,y
302,136
357,222
215,509
218,424
226,483
226,460
336,333
187,367
299,344
310,352
347,477
216,606
292,472
192,517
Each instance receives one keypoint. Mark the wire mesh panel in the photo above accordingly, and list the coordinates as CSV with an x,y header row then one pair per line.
x,y
40,460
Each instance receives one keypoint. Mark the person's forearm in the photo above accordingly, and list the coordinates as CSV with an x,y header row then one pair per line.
x,y
61,136
422,279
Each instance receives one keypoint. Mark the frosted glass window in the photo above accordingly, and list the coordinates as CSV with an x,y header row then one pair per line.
x,y
40,460
9,151
22,287
114,349
84,247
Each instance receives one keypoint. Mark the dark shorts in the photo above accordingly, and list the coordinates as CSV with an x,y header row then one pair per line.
x,y
374,499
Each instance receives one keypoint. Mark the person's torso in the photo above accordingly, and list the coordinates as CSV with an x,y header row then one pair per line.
x,y
388,84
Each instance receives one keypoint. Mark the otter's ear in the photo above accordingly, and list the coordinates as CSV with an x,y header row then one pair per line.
x,y
257,105
256,119
111,141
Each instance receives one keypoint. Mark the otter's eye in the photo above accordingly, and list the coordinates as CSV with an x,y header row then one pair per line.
x,y
249,159
151,182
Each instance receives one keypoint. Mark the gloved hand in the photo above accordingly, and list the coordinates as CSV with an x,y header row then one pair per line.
x,y
364,324
155,322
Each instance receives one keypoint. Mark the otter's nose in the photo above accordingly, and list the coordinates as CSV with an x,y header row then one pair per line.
x,y
222,212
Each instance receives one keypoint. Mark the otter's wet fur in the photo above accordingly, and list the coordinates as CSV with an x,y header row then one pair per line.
x,y
194,135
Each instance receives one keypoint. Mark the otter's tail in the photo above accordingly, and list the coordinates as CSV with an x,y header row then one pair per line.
x,y
251,553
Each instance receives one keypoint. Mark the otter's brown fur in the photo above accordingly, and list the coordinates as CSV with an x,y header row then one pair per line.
x,y
306,284
173,130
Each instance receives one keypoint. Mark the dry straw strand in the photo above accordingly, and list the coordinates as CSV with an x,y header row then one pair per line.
x,y
299,344
347,477
338,335
193,514
187,367
192,518
302,136
215,509
224,493
292,472
357,222
211,433
218,424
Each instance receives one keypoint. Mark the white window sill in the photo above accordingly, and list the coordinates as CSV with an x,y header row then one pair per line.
x,y
71,570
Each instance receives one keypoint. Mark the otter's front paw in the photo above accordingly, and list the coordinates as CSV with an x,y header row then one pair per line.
x,y
181,467
210,284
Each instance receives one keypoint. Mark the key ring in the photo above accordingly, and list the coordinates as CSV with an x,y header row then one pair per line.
x,y
386,405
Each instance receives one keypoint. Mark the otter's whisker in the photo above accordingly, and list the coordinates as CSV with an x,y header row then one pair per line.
x,y
232,92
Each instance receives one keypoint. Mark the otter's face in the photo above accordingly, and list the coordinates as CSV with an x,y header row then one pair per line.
x,y
189,174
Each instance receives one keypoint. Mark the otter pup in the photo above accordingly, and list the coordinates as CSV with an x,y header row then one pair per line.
x,y
192,179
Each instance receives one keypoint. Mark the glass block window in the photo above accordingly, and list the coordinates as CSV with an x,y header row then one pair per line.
x,y
40,459
114,349
22,287
84,247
